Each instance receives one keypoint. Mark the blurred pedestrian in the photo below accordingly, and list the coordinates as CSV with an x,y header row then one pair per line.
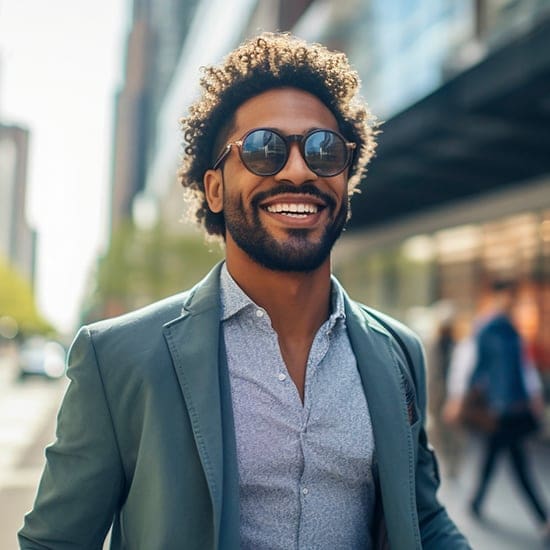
x,y
263,408
447,440
508,396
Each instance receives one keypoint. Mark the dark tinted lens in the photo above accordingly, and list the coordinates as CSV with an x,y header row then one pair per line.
x,y
325,153
263,152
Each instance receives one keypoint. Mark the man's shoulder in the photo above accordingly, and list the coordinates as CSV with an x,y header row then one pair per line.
x,y
161,312
388,323
496,325
157,313
134,341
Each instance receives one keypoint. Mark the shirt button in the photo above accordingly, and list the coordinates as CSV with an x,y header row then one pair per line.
x,y
259,313
282,376
305,491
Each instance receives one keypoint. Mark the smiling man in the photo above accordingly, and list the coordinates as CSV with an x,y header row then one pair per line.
x,y
262,409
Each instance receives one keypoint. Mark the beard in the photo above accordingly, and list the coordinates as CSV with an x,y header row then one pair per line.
x,y
296,253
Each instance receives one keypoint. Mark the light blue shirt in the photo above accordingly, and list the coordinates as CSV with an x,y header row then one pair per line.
x,y
306,470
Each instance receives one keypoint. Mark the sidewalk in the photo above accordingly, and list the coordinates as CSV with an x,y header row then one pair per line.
x,y
8,366
508,523
27,420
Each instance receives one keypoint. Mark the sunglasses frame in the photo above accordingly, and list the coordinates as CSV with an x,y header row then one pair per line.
x,y
287,140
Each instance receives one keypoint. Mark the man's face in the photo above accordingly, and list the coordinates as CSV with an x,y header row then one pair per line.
x,y
288,221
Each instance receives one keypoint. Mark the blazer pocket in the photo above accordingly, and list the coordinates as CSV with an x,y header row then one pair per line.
x,y
410,397
415,434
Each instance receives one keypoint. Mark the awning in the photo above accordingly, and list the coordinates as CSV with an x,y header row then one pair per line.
x,y
487,128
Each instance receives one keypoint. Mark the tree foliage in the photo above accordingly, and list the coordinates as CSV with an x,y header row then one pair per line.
x,y
17,301
143,266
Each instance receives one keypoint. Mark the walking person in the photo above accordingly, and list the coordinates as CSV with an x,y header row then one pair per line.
x,y
502,375
263,408
440,348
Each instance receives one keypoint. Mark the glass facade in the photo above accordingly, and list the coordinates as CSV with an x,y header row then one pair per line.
x,y
400,48
405,49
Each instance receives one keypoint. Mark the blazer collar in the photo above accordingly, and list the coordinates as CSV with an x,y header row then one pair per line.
x,y
194,341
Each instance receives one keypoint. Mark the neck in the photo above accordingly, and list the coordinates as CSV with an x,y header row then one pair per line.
x,y
297,303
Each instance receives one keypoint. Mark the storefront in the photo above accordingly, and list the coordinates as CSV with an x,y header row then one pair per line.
x,y
453,254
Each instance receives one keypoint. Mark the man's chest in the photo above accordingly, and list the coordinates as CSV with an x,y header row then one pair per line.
x,y
275,430
311,460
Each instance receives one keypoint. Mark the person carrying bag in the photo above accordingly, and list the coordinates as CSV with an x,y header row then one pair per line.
x,y
494,392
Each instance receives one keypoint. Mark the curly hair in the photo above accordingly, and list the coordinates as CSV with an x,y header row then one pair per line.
x,y
270,60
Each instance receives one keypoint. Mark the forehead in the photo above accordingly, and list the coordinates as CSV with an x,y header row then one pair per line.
x,y
290,110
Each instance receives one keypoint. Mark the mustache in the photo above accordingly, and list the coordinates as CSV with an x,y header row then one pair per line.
x,y
287,189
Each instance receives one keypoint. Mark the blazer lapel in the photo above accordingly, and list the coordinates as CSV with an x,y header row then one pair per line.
x,y
384,389
193,341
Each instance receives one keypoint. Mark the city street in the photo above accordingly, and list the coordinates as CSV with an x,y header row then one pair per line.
x,y
27,418
150,189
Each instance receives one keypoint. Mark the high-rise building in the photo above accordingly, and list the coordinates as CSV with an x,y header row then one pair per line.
x,y
154,43
17,239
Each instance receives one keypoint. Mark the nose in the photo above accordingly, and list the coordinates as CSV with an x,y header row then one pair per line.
x,y
295,170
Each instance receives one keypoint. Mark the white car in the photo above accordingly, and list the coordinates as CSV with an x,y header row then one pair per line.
x,y
38,356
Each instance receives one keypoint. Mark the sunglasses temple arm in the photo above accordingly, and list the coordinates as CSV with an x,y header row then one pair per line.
x,y
222,156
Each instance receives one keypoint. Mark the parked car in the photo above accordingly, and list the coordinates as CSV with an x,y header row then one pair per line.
x,y
41,357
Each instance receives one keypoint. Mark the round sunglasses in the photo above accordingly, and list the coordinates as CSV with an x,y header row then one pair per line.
x,y
264,151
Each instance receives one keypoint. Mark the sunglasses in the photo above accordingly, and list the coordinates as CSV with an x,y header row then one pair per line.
x,y
264,152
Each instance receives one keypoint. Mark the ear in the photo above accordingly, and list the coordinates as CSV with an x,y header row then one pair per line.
x,y
213,190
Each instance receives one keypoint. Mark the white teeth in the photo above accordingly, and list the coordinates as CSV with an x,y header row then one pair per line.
x,y
293,208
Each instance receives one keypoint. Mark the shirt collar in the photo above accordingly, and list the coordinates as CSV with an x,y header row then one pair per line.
x,y
234,299
337,302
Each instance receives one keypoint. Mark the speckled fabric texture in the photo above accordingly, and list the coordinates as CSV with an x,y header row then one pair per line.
x,y
306,470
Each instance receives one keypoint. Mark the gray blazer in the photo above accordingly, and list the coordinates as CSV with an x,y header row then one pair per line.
x,y
145,437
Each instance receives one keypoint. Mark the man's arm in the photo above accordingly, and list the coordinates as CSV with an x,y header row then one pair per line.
x,y
461,368
83,481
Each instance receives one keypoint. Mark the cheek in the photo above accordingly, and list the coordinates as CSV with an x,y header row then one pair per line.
x,y
240,185
340,189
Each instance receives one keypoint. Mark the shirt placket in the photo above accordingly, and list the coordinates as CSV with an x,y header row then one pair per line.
x,y
318,351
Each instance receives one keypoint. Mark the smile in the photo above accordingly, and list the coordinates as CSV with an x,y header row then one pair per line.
x,y
295,210
300,207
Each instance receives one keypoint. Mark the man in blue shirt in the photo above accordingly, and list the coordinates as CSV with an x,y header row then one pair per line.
x,y
500,374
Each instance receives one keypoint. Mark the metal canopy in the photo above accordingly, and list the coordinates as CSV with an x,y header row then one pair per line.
x,y
488,128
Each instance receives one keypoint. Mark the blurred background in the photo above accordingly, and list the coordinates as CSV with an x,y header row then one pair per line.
x,y
91,214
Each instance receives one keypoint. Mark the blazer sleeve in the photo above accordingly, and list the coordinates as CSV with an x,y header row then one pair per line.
x,y
437,530
82,483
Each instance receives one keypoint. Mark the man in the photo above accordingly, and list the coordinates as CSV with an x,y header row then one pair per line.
x,y
263,408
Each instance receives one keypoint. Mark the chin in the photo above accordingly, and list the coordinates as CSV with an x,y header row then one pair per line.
x,y
288,257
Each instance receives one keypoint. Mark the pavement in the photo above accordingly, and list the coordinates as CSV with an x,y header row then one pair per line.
x,y
507,521
27,420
